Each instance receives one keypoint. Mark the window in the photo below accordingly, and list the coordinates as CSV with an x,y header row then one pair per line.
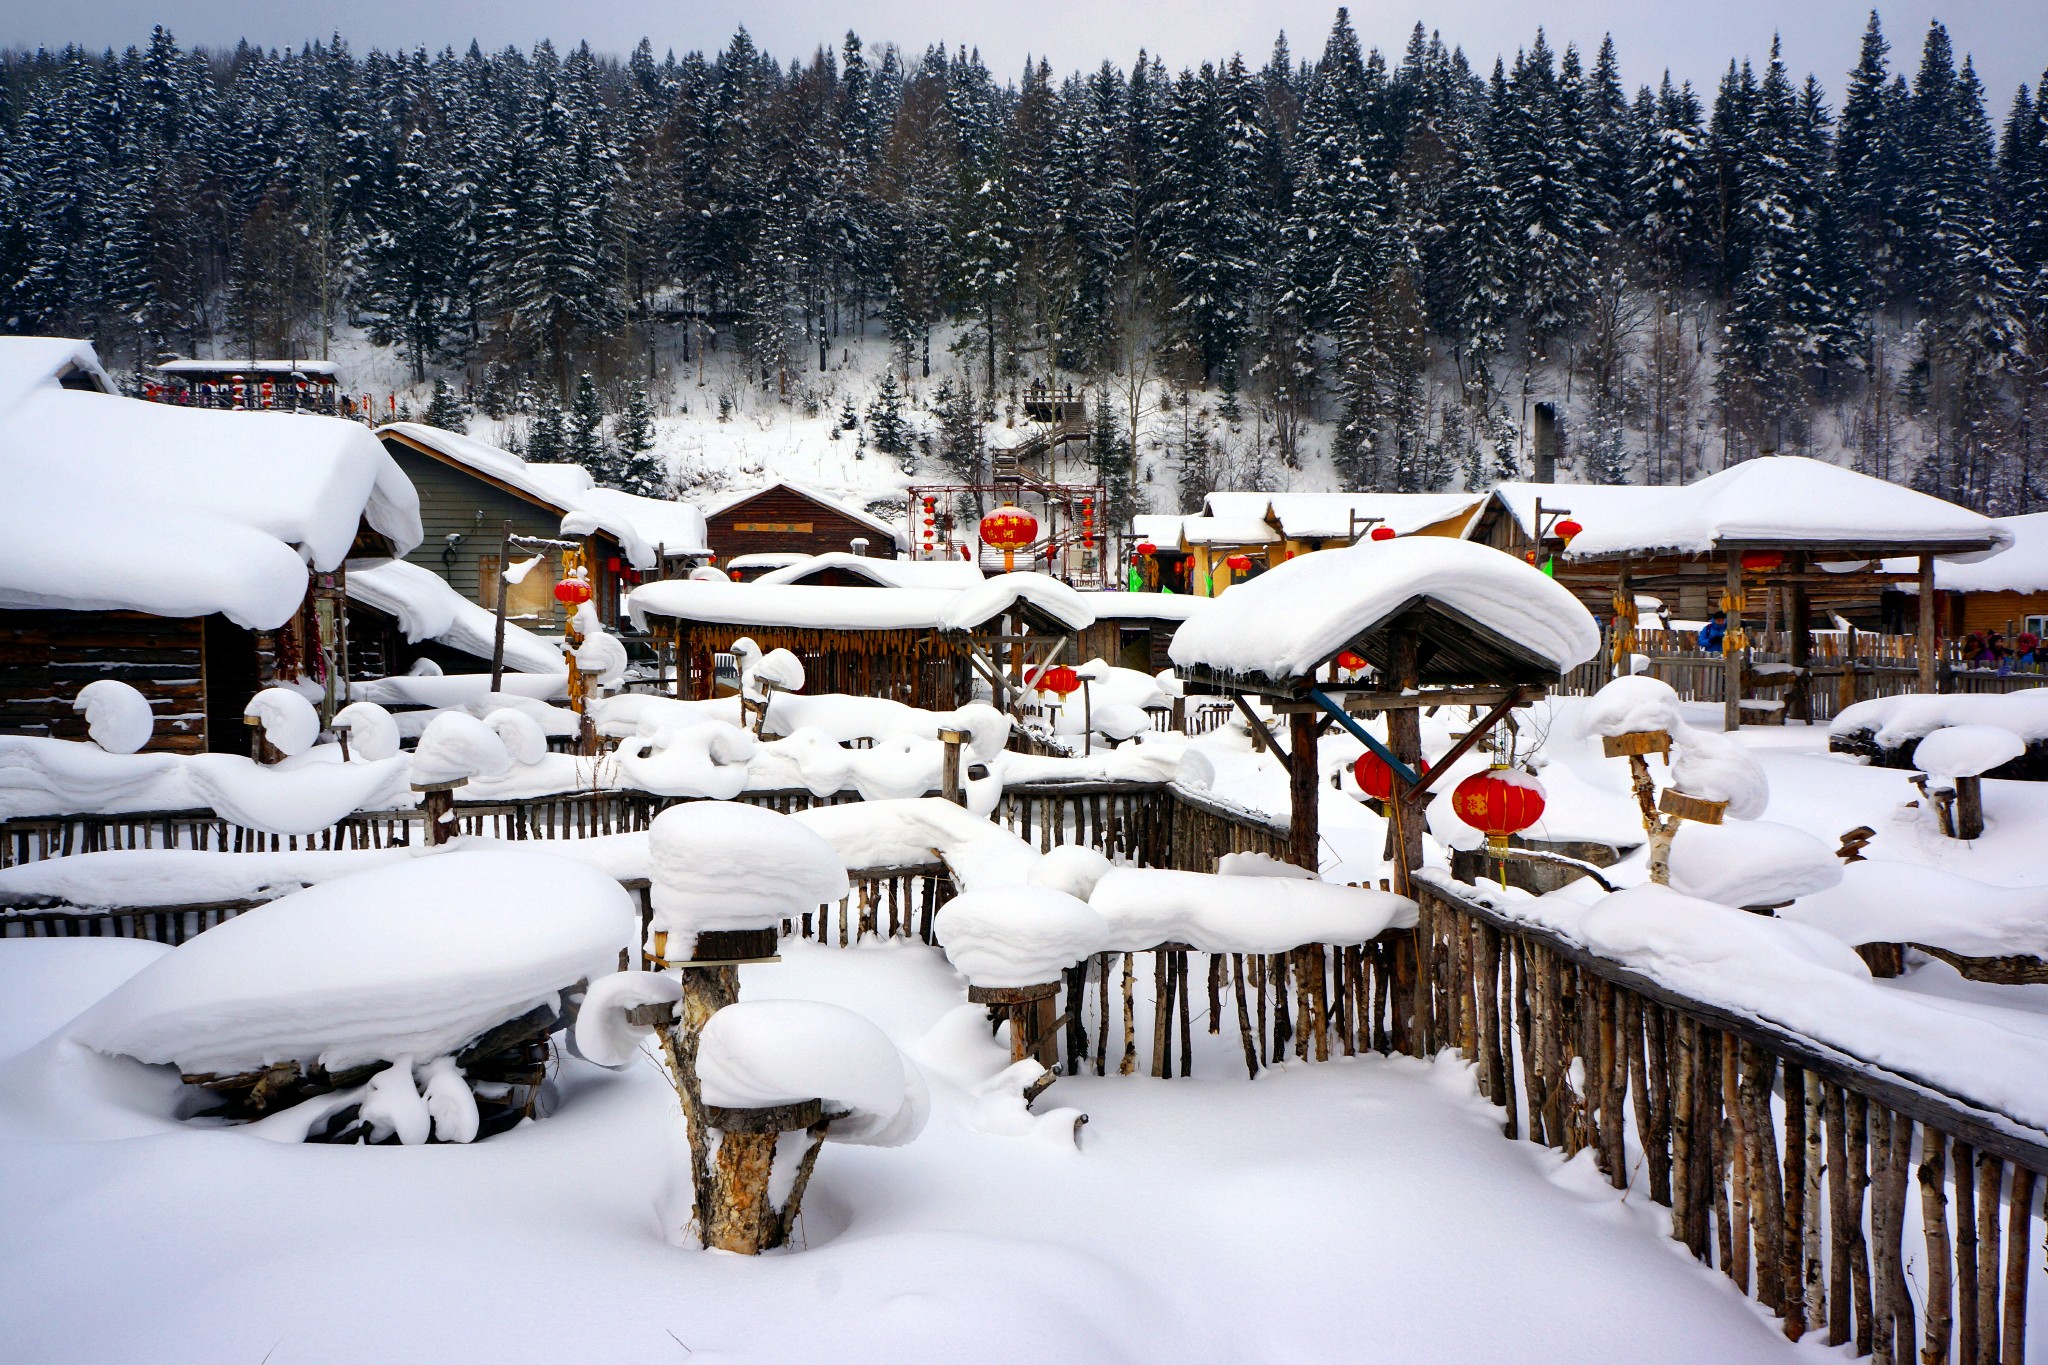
x,y
532,597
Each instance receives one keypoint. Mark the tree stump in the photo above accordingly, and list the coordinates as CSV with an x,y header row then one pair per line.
x,y
1031,1011
739,1213
438,801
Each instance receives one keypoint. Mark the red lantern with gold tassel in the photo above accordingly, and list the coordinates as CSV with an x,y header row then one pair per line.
x,y
1375,778
1009,528
1061,681
1498,803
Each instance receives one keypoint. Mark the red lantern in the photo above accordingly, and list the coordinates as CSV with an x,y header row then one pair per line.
x,y
1061,682
1762,561
1238,563
1375,778
613,564
1382,533
572,592
1498,802
1146,547
1009,528
1567,528
1351,661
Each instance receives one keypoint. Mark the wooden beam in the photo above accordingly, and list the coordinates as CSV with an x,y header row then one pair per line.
x,y
1357,703
1458,750
1259,727
1304,794
1731,659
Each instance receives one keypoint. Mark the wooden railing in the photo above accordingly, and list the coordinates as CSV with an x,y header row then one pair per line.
x,y
1788,1164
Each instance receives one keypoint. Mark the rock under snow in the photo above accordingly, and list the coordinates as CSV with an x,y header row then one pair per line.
x,y
116,715
410,960
761,1053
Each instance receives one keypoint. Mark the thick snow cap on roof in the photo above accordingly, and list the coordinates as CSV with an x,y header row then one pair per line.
x,y
883,573
2020,567
1321,516
1289,620
1145,606
811,607
1251,530
117,504
426,608
640,525
1774,499
894,534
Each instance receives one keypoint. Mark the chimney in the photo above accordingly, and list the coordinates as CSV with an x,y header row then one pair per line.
x,y
1546,444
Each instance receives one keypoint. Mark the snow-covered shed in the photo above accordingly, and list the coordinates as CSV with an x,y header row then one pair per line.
x,y
198,555
471,490
1814,531
399,613
1134,629
788,517
921,646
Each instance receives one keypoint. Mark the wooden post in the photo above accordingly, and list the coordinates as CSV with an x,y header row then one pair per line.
x,y
1304,832
1799,617
439,805
1923,640
1731,658
1969,807
740,1212
1404,737
498,626
949,772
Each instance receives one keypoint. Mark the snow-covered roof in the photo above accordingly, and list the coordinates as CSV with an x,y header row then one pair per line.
x,y
2020,567
768,559
811,607
640,525
1322,516
1252,530
187,367
885,573
1160,528
1145,606
117,504
1286,622
1776,499
896,536
426,608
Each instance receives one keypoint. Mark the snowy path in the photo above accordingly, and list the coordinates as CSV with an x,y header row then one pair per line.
x,y
1352,1211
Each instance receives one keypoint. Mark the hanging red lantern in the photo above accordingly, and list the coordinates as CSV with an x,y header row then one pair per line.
x,y
1351,661
1375,778
1238,563
1061,682
1499,802
1009,528
1382,533
1762,561
1145,547
613,564
1566,529
572,592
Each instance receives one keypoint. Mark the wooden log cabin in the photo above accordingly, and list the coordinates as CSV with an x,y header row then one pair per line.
x,y
1803,535
470,491
1271,528
789,518
196,555
2006,592
927,647
1133,629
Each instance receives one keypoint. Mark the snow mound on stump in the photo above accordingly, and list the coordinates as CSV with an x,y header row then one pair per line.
x,y
1885,902
456,747
1072,868
1717,767
762,1053
1754,862
722,865
1966,751
1698,944
1018,935
603,1033
872,835
116,715
1629,706
289,721
372,733
1218,913
412,960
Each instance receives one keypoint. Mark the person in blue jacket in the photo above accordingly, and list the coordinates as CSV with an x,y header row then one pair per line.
x,y
1712,633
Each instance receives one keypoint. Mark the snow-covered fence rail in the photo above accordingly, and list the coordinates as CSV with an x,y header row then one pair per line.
x,y
1822,1183
1152,824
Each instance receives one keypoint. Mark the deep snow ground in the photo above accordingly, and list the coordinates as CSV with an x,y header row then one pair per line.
x,y
1363,1210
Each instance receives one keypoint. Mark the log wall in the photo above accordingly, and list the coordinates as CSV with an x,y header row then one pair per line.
x,y
1851,1201
46,656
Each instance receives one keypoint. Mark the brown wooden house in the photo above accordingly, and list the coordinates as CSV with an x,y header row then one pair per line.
x,y
1133,629
788,518
197,555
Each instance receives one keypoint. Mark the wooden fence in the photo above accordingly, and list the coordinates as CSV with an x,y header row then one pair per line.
x,y
1815,1180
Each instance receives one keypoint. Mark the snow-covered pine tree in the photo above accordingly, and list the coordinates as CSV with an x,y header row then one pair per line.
x,y
886,420
636,466
445,410
547,437
585,444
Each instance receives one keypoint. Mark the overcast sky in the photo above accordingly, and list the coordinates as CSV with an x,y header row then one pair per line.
x,y
1694,38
